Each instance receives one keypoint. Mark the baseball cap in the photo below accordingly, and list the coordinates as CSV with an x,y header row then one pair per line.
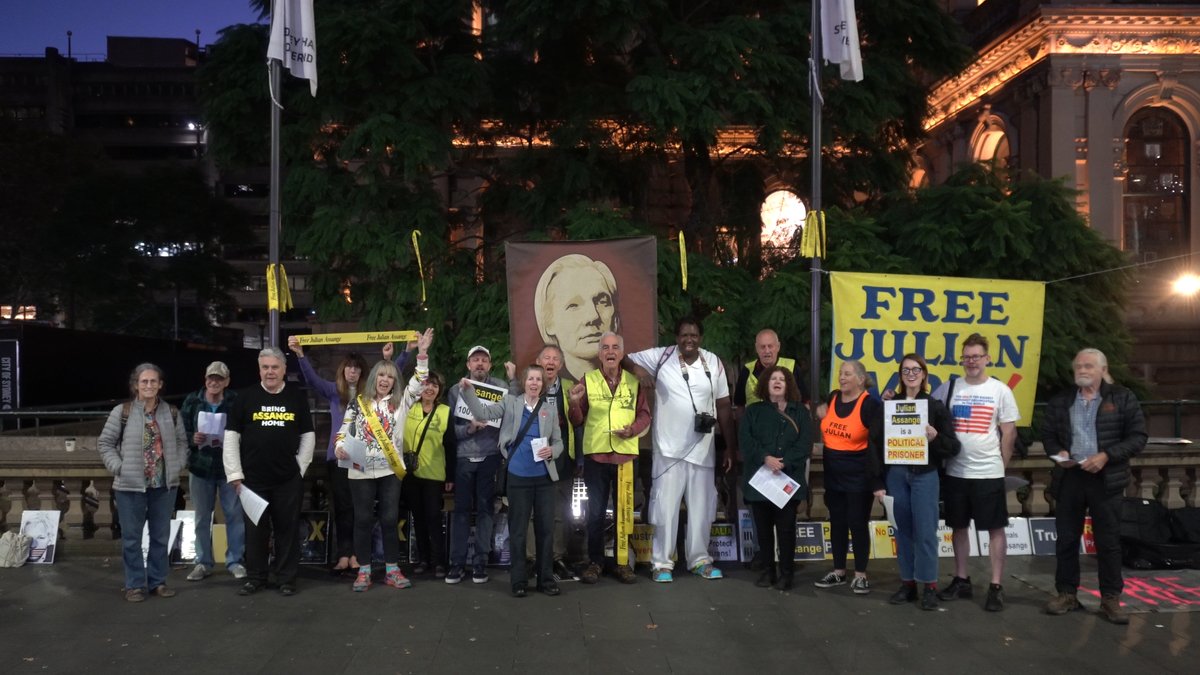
x,y
478,348
217,368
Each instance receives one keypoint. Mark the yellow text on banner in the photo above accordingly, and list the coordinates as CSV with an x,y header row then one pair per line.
x,y
358,338
878,318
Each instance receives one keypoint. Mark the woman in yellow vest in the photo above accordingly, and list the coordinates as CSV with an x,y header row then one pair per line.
x,y
430,447
846,423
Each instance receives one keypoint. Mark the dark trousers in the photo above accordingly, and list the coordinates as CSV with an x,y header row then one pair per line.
x,y
526,496
281,519
1080,492
424,499
601,482
343,510
849,513
376,496
474,488
770,522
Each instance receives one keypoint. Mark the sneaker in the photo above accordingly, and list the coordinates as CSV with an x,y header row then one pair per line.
x,y
995,598
163,591
662,576
707,571
396,579
287,590
786,581
906,594
1110,608
479,574
135,595
590,574
455,574
860,585
549,588
362,582
237,570
929,598
420,568
439,572
624,574
250,588
958,588
1062,603
198,573
830,580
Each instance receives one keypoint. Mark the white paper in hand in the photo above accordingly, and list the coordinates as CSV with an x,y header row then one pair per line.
x,y
252,503
538,444
777,487
889,507
357,451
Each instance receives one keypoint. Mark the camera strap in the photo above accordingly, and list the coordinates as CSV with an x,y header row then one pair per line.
x,y
683,368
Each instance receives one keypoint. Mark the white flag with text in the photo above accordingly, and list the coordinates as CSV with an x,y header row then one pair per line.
x,y
839,37
294,39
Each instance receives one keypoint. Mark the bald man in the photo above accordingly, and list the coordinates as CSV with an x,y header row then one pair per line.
x,y
766,345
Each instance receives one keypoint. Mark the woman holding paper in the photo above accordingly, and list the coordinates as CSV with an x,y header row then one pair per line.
x,y
914,488
776,437
529,436
144,447
846,422
372,433
336,394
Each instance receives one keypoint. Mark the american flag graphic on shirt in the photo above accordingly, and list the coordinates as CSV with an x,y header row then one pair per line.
x,y
973,419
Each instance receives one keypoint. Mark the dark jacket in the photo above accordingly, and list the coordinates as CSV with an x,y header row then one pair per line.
x,y
942,448
203,462
1120,431
764,431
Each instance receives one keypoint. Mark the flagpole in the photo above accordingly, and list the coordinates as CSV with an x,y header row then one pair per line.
x,y
275,222
814,70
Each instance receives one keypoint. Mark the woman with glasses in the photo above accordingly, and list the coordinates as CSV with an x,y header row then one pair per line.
x,y
847,421
914,487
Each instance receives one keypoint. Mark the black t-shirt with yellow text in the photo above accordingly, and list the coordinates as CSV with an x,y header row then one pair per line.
x,y
270,426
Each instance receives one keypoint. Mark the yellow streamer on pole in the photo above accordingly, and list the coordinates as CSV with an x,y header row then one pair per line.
x,y
416,235
279,295
683,259
812,240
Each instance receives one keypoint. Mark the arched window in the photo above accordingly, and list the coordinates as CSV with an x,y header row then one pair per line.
x,y
1156,179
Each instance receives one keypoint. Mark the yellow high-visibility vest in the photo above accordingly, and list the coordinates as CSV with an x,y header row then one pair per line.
x,y
608,410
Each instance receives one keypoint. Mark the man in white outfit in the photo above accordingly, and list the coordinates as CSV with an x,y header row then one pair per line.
x,y
692,397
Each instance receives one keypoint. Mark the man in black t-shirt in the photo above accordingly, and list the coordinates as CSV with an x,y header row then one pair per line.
x,y
269,442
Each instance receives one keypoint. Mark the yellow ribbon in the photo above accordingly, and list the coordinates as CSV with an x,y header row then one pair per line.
x,y
812,240
624,499
357,338
420,268
279,296
683,259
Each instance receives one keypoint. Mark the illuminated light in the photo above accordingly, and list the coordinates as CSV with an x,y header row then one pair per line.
x,y
782,213
1187,285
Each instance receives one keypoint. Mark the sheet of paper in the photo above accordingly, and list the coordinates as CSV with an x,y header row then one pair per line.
x,y
252,503
778,487
889,507
357,451
537,444
212,425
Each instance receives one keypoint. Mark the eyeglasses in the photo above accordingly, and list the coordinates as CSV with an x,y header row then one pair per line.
x,y
971,358
911,371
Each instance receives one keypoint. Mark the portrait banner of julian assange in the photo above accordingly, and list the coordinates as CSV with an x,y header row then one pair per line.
x,y
570,293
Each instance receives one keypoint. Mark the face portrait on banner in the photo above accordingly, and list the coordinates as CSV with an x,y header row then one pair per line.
x,y
570,293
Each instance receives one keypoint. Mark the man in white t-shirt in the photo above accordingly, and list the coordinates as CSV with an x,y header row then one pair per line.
x,y
691,398
974,484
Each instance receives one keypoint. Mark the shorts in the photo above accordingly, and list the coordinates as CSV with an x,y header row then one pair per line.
x,y
978,499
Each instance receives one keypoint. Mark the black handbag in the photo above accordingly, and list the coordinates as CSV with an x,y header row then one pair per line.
x,y
502,475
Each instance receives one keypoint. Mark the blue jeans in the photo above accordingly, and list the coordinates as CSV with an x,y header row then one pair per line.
x,y
474,487
204,492
135,510
916,510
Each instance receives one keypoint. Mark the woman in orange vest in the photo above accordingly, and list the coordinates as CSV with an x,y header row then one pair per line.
x,y
846,423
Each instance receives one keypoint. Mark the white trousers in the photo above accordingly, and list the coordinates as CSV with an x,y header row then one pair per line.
x,y
682,480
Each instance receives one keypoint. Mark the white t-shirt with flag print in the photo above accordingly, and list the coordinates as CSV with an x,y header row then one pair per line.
x,y
978,410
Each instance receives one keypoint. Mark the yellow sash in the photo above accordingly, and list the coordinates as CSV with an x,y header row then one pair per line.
x,y
385,441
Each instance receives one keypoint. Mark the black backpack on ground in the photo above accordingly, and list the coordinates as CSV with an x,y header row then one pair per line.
x,y
1153,538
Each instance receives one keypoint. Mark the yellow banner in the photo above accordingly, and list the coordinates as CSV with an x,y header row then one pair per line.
x,y
624,512
878,318
357,338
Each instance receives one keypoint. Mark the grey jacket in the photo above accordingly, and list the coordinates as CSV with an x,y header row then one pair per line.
x,y
123,456
511,410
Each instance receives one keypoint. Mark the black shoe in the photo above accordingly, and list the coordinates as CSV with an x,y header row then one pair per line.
x,y
250,588
549,588
995,598
420,568
929,599
287,590
786,581
562,572
958,588
518,591
905,595
766,579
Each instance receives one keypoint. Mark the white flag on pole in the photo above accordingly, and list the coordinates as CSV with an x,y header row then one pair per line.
x,y
839,37
294,39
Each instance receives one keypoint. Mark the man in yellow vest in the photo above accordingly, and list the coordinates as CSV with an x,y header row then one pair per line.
x,y
766,344
613,410
556,391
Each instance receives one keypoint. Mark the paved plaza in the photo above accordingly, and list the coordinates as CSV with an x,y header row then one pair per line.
x,y
71,617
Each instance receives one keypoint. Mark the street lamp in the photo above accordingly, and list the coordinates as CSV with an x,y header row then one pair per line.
x,y
1187,285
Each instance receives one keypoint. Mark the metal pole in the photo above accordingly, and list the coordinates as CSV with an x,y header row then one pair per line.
x,y
814,362
275,222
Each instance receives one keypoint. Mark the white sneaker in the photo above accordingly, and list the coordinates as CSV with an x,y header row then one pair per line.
x,y
237,570
198,572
